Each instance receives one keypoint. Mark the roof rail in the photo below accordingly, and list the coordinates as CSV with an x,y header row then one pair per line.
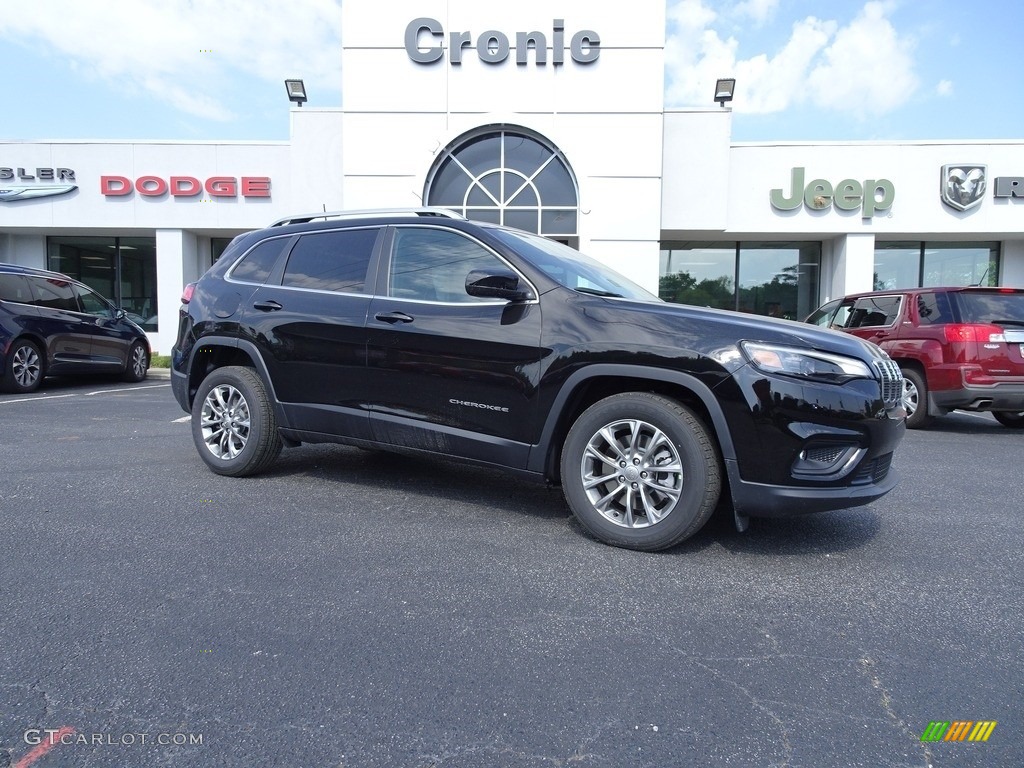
x,y
369,212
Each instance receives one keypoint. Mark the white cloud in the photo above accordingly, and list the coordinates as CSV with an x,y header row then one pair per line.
x,y
868,69
185,52
864,68
759,10
944,88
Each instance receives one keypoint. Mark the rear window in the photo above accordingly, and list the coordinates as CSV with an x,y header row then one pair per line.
x,y
256,265
991,307
14,288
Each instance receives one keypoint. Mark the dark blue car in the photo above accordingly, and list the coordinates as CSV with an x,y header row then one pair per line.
x,y
53,325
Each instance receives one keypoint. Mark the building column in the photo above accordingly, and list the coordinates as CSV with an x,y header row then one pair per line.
x,y
853,265
177,263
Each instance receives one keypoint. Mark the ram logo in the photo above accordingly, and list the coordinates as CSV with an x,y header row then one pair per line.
x,y
963,185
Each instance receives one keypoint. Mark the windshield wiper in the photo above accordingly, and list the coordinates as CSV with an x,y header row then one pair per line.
x,y
1007,322
599,292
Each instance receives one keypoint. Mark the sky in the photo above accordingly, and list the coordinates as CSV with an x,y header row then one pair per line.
x,y
845,70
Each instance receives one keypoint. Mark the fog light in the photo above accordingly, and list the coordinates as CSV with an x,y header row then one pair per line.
x,y
827,461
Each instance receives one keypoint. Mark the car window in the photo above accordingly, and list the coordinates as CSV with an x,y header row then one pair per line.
x,y
331,261
933,308
256,265
872,311
823,315
92,303
570,268
1000,307
53,293
14,288
432,265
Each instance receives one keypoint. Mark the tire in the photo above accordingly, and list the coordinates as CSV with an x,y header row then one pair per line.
x,y
638,508
233,423
1010,419
915,399
25,369
137,365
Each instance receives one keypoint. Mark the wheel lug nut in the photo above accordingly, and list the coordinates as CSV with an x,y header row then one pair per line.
x,y
622,464
636,462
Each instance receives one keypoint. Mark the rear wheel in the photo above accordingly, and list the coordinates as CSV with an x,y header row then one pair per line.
x,y
25,368
640,471
915,399
1009,419
233,423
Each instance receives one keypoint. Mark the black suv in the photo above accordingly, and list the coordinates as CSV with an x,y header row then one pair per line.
x,y
51,324
425,332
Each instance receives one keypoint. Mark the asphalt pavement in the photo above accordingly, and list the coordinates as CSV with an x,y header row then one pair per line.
x,y
354,608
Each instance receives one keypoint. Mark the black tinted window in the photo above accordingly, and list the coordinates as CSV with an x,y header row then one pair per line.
x,y
985,307
432,264
256,266
14,288
874,310
54,294
92,303
933,308
331,261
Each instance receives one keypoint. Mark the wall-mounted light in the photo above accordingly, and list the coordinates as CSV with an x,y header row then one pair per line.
x,y
724,89
296,91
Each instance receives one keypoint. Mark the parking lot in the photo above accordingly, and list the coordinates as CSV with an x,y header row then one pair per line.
x,y
353,608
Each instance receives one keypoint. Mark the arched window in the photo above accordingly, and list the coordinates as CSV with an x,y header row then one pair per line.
x,y
508,176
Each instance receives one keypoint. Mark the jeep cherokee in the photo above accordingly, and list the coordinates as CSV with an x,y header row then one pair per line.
x,y
423,332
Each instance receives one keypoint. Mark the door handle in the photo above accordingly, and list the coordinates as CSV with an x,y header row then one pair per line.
x,y
393,317
267,306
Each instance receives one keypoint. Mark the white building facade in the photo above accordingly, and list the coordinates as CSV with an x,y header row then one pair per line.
x,y
549,117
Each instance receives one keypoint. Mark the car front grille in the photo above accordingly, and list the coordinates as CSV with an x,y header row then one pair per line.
x,y
891,379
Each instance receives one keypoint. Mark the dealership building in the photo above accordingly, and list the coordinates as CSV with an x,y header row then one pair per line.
x,y
546,116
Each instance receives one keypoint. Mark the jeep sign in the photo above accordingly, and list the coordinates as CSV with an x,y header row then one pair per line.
x,y
869,195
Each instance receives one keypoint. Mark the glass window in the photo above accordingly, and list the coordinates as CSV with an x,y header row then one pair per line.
x,y
960,264
999,307
510,176
256,265
702,274
776,279
933,308
571,268
873,311
122,269
925,265
432,265
823,315
91,302
14,288
331,261
54,294
779,279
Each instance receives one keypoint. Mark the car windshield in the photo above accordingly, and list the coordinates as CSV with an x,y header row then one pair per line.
x,y
571,268
1000,307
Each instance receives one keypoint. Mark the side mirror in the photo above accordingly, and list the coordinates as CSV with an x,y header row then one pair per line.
x,y
496,284
120,314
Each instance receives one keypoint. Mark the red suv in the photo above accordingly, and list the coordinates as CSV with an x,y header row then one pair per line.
x,y
959,348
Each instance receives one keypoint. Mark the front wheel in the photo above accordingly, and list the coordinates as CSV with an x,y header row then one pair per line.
x,y
233,423
25,368
137,364
915,399
640,471
1009,419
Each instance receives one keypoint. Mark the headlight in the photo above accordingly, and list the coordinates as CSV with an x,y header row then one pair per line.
x,y
807,363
